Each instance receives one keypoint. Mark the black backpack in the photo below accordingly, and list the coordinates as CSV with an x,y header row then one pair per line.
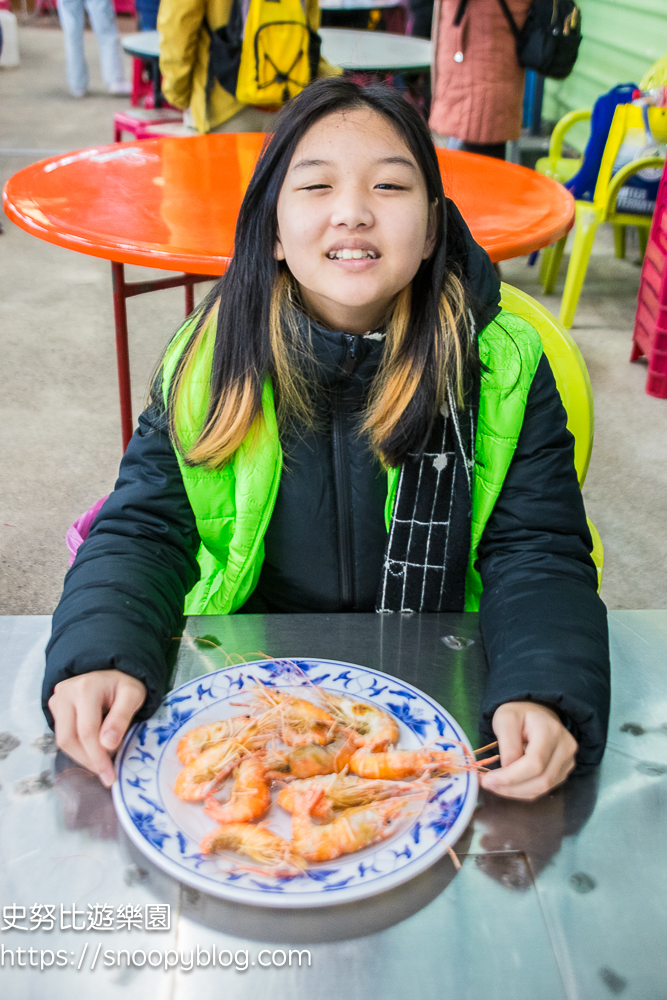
x,y
549,40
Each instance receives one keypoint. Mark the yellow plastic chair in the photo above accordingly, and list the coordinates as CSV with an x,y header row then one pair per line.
x,y
656,76
555,165
573,385
562,169
589,215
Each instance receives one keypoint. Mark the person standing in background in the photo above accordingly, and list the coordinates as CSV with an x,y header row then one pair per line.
x,y
184,57
422,18
147,14
103,22
477,82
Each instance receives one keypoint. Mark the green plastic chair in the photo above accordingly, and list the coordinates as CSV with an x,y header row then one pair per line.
x,y
573,384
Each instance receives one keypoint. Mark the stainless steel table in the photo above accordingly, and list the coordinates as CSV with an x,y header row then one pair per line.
x,y
360,4
354,51
564,898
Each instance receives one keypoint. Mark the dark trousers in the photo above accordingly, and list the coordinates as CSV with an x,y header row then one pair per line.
x,y
495,149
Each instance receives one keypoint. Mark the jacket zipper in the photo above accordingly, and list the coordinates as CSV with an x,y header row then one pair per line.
x,y
342,484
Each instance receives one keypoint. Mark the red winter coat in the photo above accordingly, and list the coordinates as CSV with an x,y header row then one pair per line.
x,y
478,99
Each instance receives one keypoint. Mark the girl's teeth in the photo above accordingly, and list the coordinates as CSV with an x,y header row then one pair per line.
x,y
348,254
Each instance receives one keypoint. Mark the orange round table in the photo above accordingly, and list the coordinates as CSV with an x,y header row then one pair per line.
x,y
172,203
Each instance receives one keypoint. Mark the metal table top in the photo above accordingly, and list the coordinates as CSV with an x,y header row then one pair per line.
x,y
143,44
360,4
563,898
359,51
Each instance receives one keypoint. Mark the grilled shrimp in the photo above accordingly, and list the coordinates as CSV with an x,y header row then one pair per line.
x,y
300,722
201,775
342,791
207,769
395,765
251,795
276,855
376,730
253,733
351,831
306,761
203,737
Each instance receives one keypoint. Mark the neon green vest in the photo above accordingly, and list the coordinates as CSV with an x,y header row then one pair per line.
x,y
233,505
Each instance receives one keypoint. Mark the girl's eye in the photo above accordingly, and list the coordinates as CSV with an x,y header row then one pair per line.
x,y
316,187
390,187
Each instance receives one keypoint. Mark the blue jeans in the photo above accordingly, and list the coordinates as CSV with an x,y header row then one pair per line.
x,y
147,14
103,20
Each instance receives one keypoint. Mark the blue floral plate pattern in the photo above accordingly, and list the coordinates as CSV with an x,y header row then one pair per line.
x,y
168,831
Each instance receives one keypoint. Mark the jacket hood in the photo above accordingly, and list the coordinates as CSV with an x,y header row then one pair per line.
x,y
481,277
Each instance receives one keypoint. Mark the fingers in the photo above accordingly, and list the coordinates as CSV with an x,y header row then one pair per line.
x,y
64,716
130,696
537,746
509,730
71,740
88,722
532,776
548,757
79,705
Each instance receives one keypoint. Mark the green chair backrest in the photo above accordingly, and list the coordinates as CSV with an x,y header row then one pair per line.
x,y
568,367
573,384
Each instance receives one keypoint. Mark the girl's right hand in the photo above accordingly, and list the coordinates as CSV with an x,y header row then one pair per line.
x,y
92,713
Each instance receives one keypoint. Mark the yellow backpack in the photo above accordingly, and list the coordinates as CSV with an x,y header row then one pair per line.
x,y
269,57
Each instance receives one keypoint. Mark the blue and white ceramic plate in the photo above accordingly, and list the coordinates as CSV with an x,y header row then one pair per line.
x,y
168,831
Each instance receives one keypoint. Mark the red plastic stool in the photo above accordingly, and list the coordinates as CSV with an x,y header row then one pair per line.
x,y
650,333
142,85
136,121
174,130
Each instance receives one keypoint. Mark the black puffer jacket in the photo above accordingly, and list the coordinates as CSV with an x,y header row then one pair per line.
x,y
543,624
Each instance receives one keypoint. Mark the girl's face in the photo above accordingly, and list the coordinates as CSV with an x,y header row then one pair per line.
x,y
354,222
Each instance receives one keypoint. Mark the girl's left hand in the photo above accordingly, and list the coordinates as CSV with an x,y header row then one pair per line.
x,y
536,751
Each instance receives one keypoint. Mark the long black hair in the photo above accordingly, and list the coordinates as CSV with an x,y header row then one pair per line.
x,y
427,352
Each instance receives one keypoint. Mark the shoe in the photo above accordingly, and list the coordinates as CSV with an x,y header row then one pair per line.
x,y
121,88
78,93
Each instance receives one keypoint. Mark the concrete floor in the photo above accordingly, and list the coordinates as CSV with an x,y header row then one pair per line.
x,y
60,441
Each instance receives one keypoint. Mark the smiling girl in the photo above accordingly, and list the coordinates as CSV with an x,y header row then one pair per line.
x,y
347,423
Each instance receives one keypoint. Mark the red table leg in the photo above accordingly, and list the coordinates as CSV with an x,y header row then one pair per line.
x,y
123,290
189,297
122,351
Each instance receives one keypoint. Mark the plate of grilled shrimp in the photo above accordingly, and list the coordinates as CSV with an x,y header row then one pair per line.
x,y
296,783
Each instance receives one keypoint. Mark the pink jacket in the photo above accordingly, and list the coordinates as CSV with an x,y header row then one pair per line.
x,y
480,98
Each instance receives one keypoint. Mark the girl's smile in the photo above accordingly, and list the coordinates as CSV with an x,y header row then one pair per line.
x,y
354,250
354,255
353,219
